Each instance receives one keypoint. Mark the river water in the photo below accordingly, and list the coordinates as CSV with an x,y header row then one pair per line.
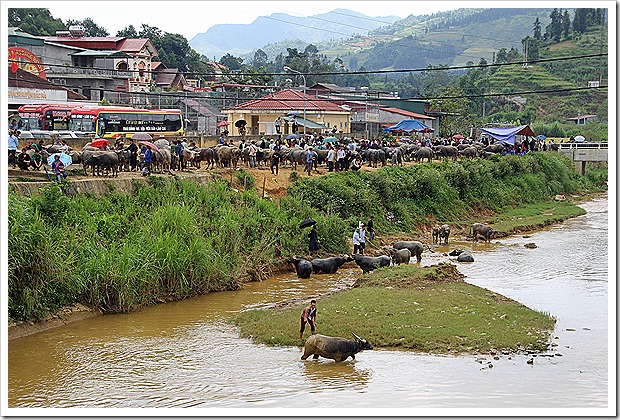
x,y
183,354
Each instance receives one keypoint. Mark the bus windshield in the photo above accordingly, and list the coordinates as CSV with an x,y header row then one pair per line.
x,y
81,122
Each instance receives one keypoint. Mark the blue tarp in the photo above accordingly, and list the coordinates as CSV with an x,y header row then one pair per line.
x,y
409,126
507,135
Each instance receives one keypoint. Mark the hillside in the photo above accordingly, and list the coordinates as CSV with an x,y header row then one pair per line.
x,y
239,39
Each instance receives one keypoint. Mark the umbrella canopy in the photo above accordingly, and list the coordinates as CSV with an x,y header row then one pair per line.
x,y
222,124
148,143
458,137
307,223
64,158
142,136
240,123
330,140
161,143
100,142
541,137
292,136
580,139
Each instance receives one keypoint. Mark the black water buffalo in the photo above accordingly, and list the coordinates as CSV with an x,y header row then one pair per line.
x,y
374,157
414,247
441,232
423,153
465,256
104,160
302,266
335,348
329,265
469,152
478,229
400,256
370,263
446,151
494,148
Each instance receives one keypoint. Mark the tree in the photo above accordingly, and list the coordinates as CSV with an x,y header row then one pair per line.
x,y
90,27
260,59
128,32
232,62
565,24
38,22
537,29
513,55
502,56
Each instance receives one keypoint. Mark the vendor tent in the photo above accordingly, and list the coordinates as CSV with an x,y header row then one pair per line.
x,y
409,126
508,134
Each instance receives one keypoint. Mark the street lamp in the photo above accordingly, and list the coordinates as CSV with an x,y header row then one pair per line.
x,y
287,68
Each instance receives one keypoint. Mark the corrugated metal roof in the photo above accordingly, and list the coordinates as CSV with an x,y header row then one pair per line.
x,y
288,100
407,113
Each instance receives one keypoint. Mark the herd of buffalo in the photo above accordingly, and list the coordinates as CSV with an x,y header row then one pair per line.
x,y
400,252
166,159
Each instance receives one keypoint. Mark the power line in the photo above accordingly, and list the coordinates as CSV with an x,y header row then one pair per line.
x,y
445,68
185,95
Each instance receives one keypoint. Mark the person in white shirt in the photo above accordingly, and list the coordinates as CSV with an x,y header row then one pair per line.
x,y
331,159
359,240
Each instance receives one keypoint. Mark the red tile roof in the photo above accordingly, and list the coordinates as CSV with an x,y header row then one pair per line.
x,y
407,113
133,44
288,100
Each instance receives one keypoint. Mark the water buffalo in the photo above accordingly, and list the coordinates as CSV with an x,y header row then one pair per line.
x,y
229,156
441,232
469,152
207,155
335,348
465,256
103,160
494,148
487,232
329,265
400,256
414,247
446,151
370,263
423,153
302,266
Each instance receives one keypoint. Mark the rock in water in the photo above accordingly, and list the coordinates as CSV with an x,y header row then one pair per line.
x,y
531,245
465,256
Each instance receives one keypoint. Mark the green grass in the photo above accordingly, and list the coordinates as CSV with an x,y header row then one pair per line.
x,y
535,215
424,309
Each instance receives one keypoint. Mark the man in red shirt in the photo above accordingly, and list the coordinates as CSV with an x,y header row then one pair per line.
x,y
308,315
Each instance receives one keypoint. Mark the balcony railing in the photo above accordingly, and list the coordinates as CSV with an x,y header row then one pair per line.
x,y
68,71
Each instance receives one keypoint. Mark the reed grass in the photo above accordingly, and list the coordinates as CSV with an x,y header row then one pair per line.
x,y
171,239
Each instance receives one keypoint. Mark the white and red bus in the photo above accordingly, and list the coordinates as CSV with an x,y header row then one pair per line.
x,y
46,117
109,122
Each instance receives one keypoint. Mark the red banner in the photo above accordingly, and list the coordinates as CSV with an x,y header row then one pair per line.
x,y
26,60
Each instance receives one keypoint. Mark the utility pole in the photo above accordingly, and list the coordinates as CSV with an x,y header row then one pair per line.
x,y
600,65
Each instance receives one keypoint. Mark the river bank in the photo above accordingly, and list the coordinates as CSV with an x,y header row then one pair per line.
x,y
78,312
170,238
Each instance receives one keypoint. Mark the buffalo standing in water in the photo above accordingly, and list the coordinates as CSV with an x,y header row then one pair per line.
x,y
335,348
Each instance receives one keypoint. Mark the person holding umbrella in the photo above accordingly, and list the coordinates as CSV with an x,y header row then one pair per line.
x,y
58,167
314,240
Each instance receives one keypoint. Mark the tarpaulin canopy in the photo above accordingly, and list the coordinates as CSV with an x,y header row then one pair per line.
x,y
508,134
307,123
409,126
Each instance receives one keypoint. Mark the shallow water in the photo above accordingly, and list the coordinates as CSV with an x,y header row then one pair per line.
x,y
182,354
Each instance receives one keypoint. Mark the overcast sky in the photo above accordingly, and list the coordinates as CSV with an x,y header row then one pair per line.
x,y
190,18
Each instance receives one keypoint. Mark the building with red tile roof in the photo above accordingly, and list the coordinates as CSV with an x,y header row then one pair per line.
x,y
260,114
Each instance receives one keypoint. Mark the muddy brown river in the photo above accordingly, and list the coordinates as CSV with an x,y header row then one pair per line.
x,y
183,354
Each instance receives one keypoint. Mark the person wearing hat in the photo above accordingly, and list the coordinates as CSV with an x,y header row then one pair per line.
x,y
359,240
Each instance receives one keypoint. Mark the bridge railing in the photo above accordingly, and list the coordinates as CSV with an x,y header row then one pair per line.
x,y
583,145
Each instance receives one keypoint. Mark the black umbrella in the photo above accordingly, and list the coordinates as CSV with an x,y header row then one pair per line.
x,y
307,223
240,123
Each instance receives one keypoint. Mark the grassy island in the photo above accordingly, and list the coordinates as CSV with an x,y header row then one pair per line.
x,y
427,309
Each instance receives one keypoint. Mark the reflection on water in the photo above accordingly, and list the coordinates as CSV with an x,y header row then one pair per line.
x,y
182,354
327,374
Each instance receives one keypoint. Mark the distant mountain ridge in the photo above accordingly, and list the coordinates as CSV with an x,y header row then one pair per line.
x,y
240,39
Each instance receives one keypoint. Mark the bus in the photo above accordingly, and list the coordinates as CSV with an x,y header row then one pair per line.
x,y
110,122
46,117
